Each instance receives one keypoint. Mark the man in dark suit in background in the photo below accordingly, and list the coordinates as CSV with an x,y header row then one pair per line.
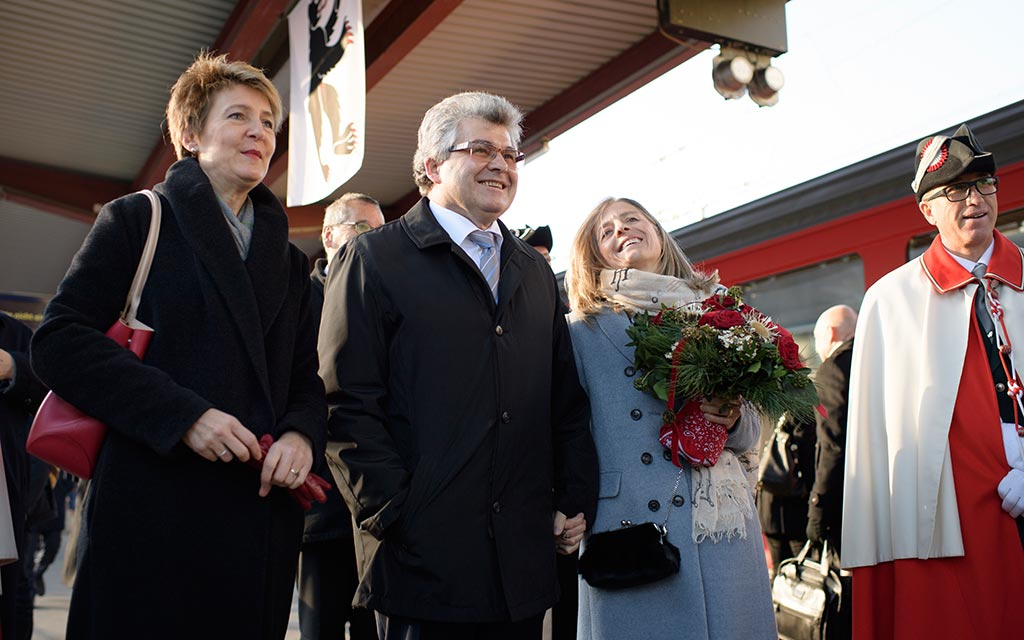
x,y
327,567
833,340
459,432
20,395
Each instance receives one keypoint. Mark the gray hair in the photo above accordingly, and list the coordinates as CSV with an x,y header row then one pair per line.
x,y
440,123
335,212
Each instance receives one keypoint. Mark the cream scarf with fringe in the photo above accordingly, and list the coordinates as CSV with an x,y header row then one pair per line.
x,y
722,495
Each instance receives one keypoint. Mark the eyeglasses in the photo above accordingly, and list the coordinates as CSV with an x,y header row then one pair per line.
x,y
485,152
958,192
360,226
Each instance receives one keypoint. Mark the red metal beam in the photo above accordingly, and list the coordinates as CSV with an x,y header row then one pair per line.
x,y
66,193
40,203
392,35
305,221
245,31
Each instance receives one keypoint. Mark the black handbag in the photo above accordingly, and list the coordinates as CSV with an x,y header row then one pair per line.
x,y
811,599
631,556
778,472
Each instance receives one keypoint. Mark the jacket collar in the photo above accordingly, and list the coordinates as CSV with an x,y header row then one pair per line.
x,y
946,274
254,290
425,231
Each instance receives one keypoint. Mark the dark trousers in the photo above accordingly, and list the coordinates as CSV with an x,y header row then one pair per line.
x,y
782,549
563,615
327,582
395,628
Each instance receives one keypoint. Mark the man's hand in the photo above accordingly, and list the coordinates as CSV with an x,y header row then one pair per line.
x,y
6,365
1011,490
569,532
816,529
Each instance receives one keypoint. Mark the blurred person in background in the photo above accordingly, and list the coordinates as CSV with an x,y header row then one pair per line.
x,y
833,342
20,395
327,567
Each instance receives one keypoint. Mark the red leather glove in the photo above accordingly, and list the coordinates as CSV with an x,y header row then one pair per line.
x,y
310,491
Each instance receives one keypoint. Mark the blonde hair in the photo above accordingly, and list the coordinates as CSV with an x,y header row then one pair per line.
x,y
193,93
582,279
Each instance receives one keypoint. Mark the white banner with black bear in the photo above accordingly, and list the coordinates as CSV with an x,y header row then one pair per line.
x,y
328,97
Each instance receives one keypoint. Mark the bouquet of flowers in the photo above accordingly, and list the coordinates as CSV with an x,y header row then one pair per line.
x,y
717,347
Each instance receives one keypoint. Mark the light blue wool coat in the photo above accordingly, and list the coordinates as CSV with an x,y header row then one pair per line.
x,y
722,591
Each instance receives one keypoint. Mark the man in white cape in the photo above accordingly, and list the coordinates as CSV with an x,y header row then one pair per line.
x,y
934,476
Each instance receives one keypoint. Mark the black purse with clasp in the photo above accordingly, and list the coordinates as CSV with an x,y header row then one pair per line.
x,y
631,556
634,555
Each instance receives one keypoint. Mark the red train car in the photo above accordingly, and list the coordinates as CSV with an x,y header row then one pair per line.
x,y
823,242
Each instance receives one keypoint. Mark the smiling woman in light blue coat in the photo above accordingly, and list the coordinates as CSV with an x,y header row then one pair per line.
x,y
624,262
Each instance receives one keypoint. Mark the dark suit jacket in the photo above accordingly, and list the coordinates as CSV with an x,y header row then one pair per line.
x,y
19,399
174,538
833,382
457,425
330,520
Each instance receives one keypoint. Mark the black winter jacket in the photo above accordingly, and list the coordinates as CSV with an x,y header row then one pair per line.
x,y
456,425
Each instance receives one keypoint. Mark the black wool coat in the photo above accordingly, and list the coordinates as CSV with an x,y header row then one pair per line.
x,y
180,547
456,425
833,382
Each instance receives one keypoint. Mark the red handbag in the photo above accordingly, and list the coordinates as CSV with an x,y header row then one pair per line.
x,y
61,434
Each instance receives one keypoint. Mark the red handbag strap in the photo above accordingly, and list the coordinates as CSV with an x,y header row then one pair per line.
x,y
131,303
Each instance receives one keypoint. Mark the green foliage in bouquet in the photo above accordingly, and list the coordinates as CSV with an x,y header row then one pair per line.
x,y
722,347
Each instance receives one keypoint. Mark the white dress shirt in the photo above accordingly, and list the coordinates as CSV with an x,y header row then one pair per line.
x,y
458,227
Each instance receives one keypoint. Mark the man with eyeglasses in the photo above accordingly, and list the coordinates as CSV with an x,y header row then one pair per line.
x,y
327,574
459,433
934,478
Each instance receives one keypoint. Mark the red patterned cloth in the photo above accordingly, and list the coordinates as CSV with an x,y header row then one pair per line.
x,y
691,435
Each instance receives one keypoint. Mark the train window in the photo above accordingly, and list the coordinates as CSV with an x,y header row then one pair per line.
x,y
795,299
1011,225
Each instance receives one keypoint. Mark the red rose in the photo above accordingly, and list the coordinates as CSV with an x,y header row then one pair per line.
x,y
722,319
788,350
720,302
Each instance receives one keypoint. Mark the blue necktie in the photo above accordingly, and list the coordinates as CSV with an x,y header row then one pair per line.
x,y
488,259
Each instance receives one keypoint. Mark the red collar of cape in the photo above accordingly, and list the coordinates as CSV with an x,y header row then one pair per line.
x,y
946,274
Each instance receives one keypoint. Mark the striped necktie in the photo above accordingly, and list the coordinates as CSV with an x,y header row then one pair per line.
x,y
488,259
981,304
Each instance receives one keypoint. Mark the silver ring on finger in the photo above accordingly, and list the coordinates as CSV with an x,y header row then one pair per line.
x,y
222,453
294,472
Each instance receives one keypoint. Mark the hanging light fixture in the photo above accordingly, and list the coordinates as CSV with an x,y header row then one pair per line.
x,y
731,72
765,85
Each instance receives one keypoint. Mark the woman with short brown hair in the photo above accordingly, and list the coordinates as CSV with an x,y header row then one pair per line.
x,y
184,540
